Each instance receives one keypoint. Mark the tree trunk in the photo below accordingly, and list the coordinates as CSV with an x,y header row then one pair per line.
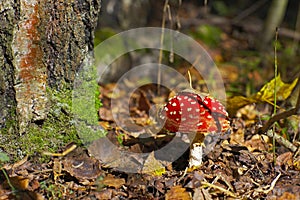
x,y
275,16
42,44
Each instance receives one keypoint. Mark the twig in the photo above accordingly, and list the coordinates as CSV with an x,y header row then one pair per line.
x,y
163,24
205,184
271,187
280,116
276,118
281,140
64,153
248,11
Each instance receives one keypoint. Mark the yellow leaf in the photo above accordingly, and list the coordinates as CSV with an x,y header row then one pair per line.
x,y
266,94
283,90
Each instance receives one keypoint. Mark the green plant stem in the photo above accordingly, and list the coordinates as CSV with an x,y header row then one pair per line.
x,y
8,181
275,96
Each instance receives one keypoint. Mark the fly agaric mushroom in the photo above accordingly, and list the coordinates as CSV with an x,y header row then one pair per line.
x,y
190,112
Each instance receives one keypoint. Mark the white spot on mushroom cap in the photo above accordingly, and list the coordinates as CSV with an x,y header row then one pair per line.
x,y
200,124
189,109
174,104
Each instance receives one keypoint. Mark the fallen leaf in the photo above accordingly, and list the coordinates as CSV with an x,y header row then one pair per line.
x,y
258,142
297,163
81,166
285,159
266,94
18,182
106,114
112,181
153,166
202,194
287,195
237,102
178,193
283,90
104,194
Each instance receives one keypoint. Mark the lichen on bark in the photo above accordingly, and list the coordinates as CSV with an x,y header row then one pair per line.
x,y
30,71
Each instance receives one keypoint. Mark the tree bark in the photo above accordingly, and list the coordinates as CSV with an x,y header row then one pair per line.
x,y
42,44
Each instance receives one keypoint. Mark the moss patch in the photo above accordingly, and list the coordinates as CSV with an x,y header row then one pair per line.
x,y
86,105
49,135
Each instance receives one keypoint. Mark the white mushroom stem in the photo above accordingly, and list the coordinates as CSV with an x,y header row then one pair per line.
x,y
196,155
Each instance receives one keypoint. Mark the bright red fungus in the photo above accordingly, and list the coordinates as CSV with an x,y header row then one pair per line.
x,y
189,112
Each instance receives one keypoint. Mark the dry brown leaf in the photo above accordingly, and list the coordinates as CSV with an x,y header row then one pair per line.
x,y
237,102
112,181
79,165
153,166
178,193
297,163
106,114
105,125
19,182
258,142
285,159
287,195
202,194
104,194
237,137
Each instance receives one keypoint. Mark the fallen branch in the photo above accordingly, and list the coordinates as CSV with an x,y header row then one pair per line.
x,y
281,140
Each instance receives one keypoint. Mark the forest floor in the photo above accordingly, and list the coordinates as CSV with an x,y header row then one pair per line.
x,y
245,163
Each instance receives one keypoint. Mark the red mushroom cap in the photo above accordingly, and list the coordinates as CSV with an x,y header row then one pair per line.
x,y
189,112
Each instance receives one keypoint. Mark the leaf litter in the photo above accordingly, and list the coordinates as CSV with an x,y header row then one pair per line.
x,y
240,166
